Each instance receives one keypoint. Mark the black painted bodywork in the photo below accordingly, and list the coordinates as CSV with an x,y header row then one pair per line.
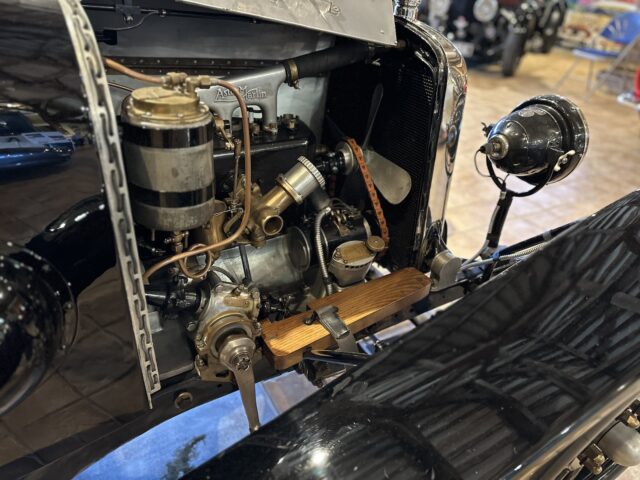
x,y
482,387
85,395
469,395
88,396
90,383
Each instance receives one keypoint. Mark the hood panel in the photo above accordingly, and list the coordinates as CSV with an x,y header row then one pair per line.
x,y
371,21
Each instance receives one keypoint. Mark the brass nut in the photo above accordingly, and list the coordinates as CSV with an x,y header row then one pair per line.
x,y
592,466
630,419
592,459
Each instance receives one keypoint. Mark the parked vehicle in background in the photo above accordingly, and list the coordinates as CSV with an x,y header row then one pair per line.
x,y
23,145
496,30
551,15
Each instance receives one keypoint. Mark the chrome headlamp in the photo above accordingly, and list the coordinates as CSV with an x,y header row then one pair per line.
x,y
485,10
541,141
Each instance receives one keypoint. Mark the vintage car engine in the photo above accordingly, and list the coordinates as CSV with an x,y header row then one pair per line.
x,y
189,191
235,196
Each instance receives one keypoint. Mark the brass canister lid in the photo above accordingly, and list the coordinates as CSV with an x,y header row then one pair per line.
x,y
375,244
165,105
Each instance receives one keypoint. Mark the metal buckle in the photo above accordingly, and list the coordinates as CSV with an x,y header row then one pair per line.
x,y
328,317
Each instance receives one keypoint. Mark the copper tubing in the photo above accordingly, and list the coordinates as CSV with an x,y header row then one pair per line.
x,y
118,67
197,275
246,140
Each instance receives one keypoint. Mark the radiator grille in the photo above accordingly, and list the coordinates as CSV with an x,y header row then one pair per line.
x,y
402,135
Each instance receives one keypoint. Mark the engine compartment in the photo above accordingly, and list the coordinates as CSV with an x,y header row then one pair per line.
x,y
262,240
351,145
244,215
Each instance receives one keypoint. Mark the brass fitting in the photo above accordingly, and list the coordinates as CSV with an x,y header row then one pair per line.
x,y
592,458
165,106
212,231
268,209
630,418
292,187
185,83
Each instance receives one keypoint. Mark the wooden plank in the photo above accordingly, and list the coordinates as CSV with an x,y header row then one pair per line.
x,y
360,307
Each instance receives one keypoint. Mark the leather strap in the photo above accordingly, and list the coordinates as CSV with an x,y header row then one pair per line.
x,y
373,194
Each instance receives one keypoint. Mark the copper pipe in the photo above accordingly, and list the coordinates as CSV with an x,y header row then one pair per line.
x,y
199,274
118,67
246,140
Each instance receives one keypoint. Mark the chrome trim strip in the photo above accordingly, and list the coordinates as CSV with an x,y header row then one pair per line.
x,y
455,69
102,116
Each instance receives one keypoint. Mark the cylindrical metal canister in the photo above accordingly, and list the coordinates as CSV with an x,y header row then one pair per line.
x,y
168,152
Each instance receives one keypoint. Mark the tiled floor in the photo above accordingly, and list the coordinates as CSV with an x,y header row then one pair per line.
x,y
608,171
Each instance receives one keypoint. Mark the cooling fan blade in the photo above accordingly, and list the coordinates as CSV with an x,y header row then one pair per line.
x,y
393,182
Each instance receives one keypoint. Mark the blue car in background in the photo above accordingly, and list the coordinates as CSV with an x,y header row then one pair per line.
x,y
23,145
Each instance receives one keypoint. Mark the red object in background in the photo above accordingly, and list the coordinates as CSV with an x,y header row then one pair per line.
x,y
636,90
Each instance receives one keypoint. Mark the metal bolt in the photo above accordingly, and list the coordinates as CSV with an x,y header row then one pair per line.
x,y
242,362
592,459
272,128
592,466
630,419
183,400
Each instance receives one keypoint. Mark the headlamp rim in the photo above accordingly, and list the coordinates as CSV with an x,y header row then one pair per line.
x,y
572,121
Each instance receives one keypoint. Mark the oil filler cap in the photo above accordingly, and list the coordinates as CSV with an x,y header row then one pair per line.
x,y
375,244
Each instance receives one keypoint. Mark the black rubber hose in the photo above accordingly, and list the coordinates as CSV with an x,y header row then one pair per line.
x,y
316,63
500,217
245,264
